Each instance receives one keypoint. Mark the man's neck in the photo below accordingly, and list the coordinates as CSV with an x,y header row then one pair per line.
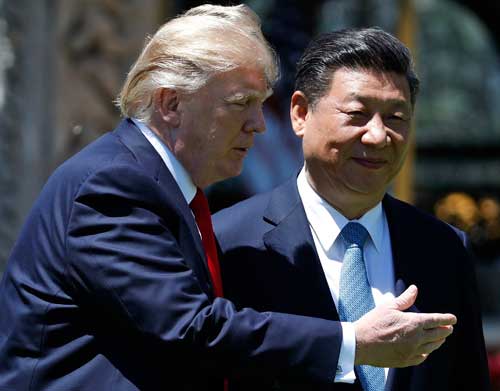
x,y
351,204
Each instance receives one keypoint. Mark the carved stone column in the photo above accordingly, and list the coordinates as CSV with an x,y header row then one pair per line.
x,y
97,42
7,208
26,37
62,63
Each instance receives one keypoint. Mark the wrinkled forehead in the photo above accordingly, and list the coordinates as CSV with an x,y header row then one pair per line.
x,y
243,82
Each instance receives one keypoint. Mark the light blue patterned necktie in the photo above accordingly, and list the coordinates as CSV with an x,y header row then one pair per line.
x,y
355,296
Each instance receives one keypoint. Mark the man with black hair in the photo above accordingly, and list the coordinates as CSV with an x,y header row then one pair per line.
x,y
331,243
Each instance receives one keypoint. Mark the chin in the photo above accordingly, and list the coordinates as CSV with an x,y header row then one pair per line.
x,y
230,173
368,189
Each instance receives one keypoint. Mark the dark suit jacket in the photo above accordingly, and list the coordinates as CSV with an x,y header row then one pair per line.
x,y
107,289
269,262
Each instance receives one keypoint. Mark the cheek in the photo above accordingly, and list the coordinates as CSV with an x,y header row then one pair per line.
x,y
401,145
311,145
336,146
400,137
327,137
401,134
228,125
324,151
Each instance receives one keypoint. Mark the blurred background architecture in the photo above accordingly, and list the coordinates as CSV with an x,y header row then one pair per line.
x,y
62,63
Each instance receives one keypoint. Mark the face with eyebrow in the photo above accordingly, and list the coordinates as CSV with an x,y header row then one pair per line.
x,y
355,137
243,97
218,123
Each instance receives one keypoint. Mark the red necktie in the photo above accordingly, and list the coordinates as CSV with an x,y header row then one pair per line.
x,y
199,206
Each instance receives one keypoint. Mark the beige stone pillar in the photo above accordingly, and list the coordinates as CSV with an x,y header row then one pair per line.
x,y
97,42
67,61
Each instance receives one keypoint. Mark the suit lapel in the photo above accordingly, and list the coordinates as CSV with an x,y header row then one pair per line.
x,y
402,245
291,238
404,272
147,157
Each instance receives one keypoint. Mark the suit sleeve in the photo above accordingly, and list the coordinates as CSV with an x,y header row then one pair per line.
x,y
126,266
471,358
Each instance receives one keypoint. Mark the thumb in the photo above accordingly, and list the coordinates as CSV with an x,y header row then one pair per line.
x,y
406,299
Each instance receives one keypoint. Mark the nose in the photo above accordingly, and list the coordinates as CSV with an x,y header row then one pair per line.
x,y
256,122
376,133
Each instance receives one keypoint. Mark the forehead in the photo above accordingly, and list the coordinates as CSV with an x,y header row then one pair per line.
x,y
369,85
240,81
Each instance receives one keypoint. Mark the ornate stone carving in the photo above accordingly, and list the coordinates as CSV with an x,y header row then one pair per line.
x,y
98,41
67,61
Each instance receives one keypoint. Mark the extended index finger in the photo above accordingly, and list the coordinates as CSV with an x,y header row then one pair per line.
x,y
430,321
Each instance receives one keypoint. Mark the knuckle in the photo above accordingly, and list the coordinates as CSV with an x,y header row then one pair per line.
x,y
421,359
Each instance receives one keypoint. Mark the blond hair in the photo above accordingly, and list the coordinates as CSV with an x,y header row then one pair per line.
x,y
189,49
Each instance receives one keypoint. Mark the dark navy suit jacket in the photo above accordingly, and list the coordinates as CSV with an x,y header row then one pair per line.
x,y
107,289
270,263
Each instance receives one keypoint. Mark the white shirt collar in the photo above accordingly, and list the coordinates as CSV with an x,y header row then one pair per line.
x,y
327,222
179,173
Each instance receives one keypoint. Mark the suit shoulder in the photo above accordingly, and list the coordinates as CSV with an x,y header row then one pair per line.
x,y
95,156
251,207
105,167
255,207
428,225
245,216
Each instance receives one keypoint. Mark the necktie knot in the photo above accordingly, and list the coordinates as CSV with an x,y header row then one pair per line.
x,y
354,233
199,205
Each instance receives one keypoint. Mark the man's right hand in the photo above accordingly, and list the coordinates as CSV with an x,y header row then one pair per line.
x,y
388,337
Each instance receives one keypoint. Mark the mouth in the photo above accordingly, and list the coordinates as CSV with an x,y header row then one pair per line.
x,y
372,163
242,151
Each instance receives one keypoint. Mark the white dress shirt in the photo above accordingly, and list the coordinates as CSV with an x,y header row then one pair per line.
x,y
179,173
326,223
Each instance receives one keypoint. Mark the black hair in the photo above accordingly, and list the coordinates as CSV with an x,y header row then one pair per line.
x,y
367,48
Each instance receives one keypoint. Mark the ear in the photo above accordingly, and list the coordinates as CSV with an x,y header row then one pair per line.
x,y
166,104
299,109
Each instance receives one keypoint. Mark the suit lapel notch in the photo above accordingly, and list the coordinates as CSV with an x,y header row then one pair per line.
x,y
285,213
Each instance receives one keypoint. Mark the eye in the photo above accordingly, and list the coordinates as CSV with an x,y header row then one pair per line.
x,y
241,104
356,113
357,117
397,117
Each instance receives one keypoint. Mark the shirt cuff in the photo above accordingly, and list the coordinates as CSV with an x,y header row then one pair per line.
x,y
345,367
